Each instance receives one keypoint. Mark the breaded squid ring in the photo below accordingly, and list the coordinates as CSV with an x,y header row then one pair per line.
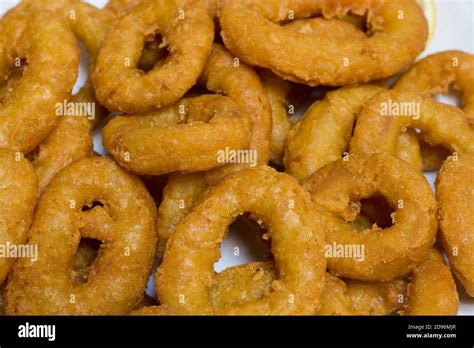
x,y
180,195
18,198
435,74
386,253
71,138
277,91
242,85
223,74
188,31
185,277
118,276
171,139
28,113
118,7
399,33
68,142
432,290
455,192
249,283
324,134
386,115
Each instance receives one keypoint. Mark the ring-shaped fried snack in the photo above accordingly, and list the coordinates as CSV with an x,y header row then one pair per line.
x,y
384,253
389,113
18,197
185,277
224,74
118,276
432,290
27,113
436,74
398,27
186,137
455,192
187,30
324,134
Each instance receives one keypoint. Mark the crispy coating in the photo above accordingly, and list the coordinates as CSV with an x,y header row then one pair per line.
x,y
435,74
323,135
181,193
186,274
394,44
68,142
224,74
18,199
28,112
119,275
187,31
250,282
386,115
377,298
432,290
71,138
387,253
409,149
118,7
171,139
455,192
277,91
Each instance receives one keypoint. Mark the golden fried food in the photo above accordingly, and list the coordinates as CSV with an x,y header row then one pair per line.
x,y
436,74
68,142
250,282
170,140
28,111
277,91
18,197
118,276
324,134
455,192
186,274
394,43
187,31
224,74
181,193
384,117
376,253
432,290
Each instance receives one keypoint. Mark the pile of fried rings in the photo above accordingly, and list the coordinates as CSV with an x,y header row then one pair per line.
x,y
202,95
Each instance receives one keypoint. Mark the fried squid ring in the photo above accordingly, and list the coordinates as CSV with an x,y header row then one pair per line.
x,y
119,275
249,283
385,253
429,290
386,115
435,74
171,140
224,74
180,195
28,112
118,7
18,197
277,91
69,141
432,290
188,31
185,277
398,27
324,134
455,191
